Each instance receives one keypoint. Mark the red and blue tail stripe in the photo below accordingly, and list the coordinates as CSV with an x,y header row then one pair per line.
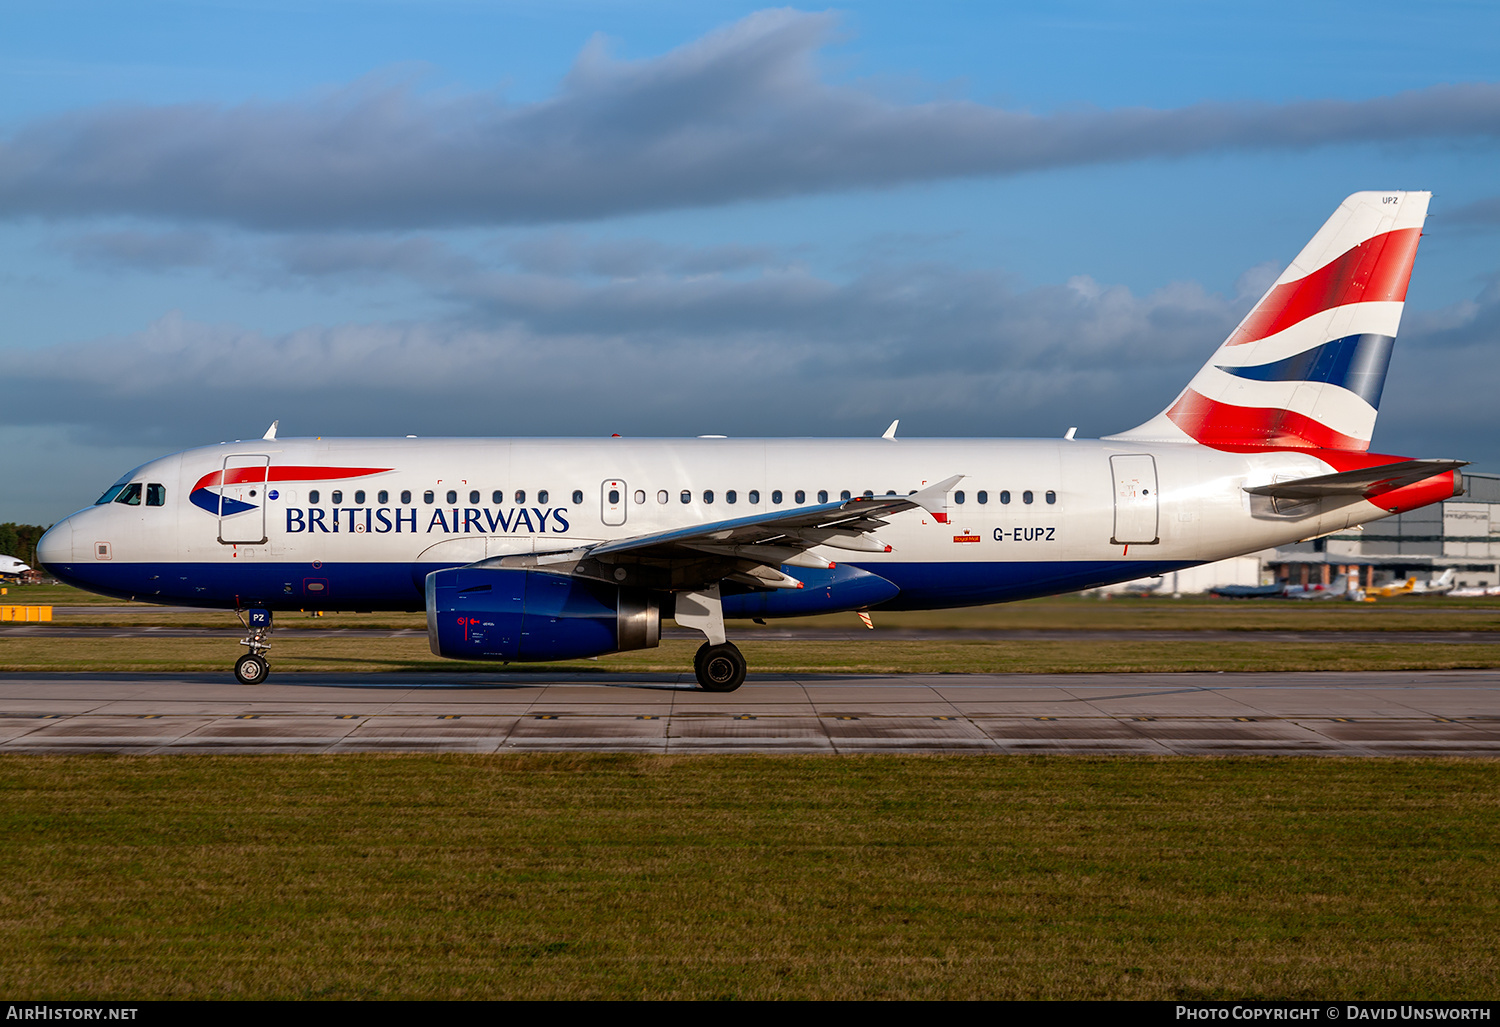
x,y
1306,367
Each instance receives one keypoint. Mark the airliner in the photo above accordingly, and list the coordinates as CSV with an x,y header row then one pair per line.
x,y
10,567
561,549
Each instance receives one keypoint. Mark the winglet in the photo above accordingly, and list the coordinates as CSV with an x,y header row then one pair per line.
x,y
934,498
890,433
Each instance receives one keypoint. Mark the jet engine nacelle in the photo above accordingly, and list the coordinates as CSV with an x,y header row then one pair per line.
x,y
519,615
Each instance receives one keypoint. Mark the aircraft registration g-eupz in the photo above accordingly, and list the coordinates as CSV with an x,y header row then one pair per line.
x,y
556,549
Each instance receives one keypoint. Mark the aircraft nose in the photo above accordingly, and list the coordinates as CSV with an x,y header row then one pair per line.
x,y
56,546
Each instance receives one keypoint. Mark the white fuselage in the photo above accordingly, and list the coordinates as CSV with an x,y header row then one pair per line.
x,y
314,535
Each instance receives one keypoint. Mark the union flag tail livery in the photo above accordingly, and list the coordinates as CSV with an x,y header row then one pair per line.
x,y
564,549
1306,367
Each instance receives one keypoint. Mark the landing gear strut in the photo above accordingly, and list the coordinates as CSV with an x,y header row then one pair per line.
x,y
252,668
718,665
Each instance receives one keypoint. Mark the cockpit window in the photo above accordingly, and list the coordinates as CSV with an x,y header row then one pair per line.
x,y
156,495
130,495
109,495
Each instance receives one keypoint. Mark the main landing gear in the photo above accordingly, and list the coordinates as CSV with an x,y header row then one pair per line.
x,y
252,668
719,666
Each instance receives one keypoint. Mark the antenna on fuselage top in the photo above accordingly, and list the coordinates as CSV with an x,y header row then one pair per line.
x,y
271,431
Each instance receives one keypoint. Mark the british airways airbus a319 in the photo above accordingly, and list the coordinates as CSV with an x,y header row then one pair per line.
x,y
557,549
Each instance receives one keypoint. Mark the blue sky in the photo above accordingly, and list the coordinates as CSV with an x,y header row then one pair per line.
x,y
478,218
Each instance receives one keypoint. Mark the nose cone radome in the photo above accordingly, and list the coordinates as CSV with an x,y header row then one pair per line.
x,y
56,546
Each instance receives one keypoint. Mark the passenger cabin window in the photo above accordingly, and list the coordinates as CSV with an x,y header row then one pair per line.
x,y
776,497
131,495
799,497
614,497
662,497
427,496
730,496
578,496
452,497
822,495
1005,496
687,497
844,494
473,497
313,496
1051,497
382,497
708,495
497,497
337,497
520,495
541,496
958,497
1027,497
754,496
359,497
640,497
156,495
406,495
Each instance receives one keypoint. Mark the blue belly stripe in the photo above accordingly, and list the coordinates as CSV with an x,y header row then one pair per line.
x,y
397,586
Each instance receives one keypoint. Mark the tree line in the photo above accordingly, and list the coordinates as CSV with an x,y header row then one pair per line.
x,y
19,540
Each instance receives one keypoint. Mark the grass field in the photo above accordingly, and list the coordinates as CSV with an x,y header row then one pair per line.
x,y
573,876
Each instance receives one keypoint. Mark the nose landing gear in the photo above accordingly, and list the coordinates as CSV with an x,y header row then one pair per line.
x,y
252,668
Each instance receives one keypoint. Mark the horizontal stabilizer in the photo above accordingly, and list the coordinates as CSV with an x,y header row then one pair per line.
x,y
1366,481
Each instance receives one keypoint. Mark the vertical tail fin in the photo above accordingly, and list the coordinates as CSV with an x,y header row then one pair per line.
x,y
1306,366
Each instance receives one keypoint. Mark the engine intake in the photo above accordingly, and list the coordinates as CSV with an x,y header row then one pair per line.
x,y
526,616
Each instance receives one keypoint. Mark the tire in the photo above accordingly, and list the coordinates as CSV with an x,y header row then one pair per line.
x,y
719,668
251,669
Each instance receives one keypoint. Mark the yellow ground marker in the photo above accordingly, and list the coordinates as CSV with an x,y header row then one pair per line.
x,y
25,613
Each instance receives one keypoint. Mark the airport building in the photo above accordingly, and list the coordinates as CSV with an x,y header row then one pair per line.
x,y
1462,534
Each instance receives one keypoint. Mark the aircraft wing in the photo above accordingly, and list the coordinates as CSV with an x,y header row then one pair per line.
x,y
749,550
1366,481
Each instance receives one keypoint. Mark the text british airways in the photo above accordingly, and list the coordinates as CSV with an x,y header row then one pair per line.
x,y
380,520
